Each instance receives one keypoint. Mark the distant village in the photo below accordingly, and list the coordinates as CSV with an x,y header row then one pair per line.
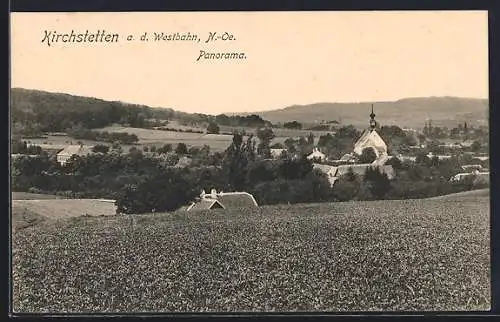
x,y
369,152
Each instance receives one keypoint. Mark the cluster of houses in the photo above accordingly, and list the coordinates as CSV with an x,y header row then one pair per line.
x,y
370,138
64,153
333,169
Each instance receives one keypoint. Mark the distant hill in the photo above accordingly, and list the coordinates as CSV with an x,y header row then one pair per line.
x,y
408,112
53,112
35,111
56,112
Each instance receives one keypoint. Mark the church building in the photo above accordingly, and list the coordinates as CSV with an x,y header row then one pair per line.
x,y
369,139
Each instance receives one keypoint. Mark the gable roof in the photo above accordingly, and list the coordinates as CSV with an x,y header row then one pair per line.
x,y
370,139
75,149
226,200
347,157
205,204
325,168
237,200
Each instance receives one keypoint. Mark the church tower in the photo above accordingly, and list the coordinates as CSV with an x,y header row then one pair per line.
x,y
371,139
373,123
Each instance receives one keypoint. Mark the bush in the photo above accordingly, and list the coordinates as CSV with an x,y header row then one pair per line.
x,y
164,192
100,148
213,128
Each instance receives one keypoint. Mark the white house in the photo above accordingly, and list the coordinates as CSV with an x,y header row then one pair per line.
x,y
71,150
316,155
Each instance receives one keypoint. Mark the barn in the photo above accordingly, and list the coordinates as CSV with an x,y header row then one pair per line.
x,y
223,200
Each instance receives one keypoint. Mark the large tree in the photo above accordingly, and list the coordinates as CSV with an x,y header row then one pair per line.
x,y
368,155
181,149
166,191
378,183
235,161
213,128
265,135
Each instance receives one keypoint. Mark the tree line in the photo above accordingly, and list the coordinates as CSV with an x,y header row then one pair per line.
x,y
37,112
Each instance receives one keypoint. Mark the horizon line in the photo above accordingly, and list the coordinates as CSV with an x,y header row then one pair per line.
x,y
252,112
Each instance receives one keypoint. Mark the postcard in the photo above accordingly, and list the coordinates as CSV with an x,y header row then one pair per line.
x,y
244,162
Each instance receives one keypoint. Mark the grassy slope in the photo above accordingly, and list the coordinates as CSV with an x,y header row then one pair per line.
x,y
32,196
383,255
63,208
465,195
23,218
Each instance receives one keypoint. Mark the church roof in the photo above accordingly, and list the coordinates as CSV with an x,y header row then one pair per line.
x,y
370,138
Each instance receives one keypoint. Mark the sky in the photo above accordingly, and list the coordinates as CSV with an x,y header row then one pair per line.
x,y
291,57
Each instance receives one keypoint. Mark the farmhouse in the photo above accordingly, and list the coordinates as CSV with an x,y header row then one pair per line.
x,y
223,200
71,150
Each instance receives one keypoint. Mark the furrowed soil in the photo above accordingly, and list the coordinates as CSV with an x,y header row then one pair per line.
x,y
355,256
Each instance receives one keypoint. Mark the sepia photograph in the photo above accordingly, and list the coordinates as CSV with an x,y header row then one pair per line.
x,y
249,162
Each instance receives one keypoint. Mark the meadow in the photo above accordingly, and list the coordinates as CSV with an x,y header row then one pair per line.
x,y
158,138
28,209
352,256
